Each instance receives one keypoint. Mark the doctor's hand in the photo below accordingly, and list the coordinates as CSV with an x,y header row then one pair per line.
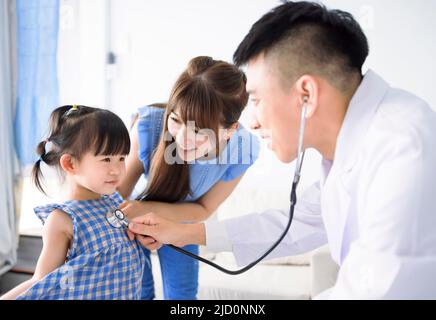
x,y
151,227
146,241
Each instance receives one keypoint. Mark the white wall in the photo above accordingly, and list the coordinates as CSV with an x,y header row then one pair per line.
x,y
401,34
81,52
154,40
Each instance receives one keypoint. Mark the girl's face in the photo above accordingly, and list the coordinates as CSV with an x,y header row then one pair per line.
x,y
101,174
192,143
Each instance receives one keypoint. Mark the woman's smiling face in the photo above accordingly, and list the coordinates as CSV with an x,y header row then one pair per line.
x,y
192,142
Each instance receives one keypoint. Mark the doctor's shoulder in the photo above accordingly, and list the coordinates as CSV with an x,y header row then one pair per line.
x,y
405,118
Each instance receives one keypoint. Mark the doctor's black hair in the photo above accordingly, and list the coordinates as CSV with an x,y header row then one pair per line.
x,y
76,130
312,33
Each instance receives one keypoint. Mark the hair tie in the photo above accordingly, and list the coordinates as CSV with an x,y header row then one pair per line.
x,y
48,146
75,107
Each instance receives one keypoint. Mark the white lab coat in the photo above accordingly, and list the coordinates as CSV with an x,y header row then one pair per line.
x,y
375,204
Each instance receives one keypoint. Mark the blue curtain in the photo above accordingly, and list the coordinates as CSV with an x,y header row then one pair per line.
x,y
8,165
37,87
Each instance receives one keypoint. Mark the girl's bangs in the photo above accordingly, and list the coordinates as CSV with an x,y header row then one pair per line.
x,y
110,136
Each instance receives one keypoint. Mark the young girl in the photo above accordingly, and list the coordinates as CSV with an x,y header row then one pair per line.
x,y
194,153
83,256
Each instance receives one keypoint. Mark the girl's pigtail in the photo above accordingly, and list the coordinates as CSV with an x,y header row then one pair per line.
x,y
37,175
56,122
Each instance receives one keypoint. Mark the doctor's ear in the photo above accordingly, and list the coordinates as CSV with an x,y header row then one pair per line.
x,y
307,88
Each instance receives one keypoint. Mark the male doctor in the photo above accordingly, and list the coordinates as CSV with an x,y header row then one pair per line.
x,y
375,204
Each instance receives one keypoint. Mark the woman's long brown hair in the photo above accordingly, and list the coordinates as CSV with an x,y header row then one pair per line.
x,y
210,92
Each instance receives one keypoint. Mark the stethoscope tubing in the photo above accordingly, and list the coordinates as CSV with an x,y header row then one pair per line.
x,y
252,264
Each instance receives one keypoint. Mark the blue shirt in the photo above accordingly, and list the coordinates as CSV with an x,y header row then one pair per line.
x,y
241,151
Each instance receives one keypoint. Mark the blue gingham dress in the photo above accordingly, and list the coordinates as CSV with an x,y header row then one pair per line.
x,y
102,263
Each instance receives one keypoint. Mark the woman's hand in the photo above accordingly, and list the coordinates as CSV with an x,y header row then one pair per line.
x,y
134,208
151,228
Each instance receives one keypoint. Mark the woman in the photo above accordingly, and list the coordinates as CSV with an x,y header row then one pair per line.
x,y
193,152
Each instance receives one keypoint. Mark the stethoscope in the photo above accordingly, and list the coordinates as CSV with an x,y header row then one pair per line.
x,y
117,218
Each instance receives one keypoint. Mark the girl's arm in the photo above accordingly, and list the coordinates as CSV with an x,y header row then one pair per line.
x,y
57,236
133,165
186,211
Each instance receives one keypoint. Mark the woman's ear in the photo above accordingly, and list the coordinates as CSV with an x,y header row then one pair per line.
x,y
67,163
308,91
231,131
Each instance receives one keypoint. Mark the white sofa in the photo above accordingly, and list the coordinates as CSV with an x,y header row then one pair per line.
x,y
272,281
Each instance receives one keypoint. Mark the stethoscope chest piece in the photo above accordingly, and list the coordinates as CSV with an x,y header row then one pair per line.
x,y
117,219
